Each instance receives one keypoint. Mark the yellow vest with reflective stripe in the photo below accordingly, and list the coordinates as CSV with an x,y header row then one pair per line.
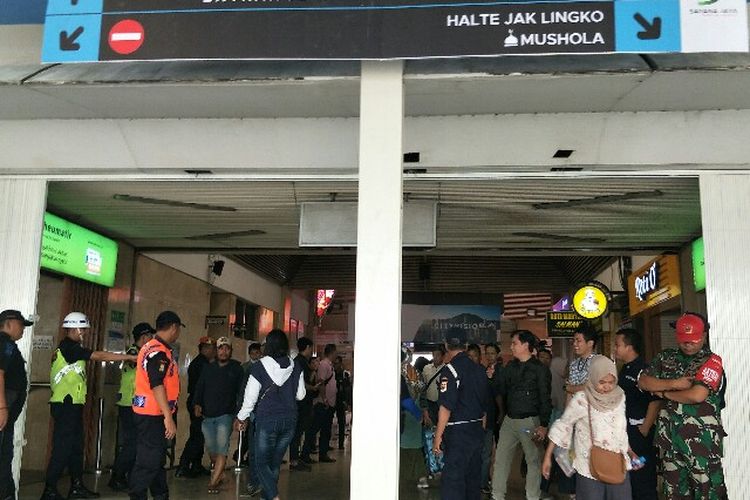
x,y
67,379
127,386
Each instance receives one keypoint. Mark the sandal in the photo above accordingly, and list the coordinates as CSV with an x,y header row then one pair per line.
x,y
213,489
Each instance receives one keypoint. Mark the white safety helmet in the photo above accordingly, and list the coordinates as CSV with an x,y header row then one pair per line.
x,y
76,320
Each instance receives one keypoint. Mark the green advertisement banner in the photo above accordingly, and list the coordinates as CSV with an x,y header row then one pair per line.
x,y
699,265
73,250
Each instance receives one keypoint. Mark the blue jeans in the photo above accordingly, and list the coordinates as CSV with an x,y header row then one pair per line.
x,y
217,431
272,438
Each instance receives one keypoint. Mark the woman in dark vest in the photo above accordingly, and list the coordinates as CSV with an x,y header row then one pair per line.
x,y
273,389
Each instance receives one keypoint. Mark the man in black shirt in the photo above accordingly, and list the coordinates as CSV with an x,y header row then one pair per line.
x,y
524,387
192,455
641,410
13,387
215,400
304,407
461,420
69,389
343,397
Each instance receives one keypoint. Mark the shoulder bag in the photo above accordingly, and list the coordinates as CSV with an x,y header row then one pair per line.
x,y
605,466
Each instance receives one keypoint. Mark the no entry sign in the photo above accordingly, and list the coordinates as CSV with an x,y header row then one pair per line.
x,y
126,36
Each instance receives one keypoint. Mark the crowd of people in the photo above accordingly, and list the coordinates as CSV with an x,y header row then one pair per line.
x,y
587,431
279,400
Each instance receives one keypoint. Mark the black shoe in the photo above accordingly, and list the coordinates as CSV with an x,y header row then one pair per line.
x,y
51,493
200,470
326,460
300,467
341,447
307,460
118,484
79,490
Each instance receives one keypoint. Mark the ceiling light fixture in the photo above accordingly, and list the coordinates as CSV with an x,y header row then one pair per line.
x,y
226,236
597,200
559,237
172,203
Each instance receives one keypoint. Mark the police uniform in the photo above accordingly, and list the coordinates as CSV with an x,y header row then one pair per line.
x,y
14,369
68,384
642,481
155,366
463,391
126,434
689,436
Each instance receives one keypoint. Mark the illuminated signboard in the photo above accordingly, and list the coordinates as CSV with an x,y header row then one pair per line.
x,y
591,300
699,265
73,250
654,283
563,323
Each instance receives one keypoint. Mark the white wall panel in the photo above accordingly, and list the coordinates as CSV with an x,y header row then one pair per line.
x,y
22,205
655,141
726,232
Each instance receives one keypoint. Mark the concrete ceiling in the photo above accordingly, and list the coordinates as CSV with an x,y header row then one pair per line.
x,y
331,89
510,235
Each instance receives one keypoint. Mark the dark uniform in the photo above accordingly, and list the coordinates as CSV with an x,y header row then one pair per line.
x,y
192,454
126,434
68,381
642,481
14,368
463,391
343,387
689,436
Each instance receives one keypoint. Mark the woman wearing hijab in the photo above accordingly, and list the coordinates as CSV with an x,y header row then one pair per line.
x,y
607,404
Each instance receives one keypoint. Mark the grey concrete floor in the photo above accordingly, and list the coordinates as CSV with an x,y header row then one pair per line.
x,y
325,481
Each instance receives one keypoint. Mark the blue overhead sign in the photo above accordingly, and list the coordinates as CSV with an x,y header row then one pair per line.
x,y
22,11
116,30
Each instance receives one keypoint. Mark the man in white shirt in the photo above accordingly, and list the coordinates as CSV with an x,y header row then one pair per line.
x,y
430,377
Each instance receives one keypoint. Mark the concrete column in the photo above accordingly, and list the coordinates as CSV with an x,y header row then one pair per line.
x,y
22,204
375,433
726,234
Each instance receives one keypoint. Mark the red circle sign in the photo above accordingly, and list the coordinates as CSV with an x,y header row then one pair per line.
x,y
126,36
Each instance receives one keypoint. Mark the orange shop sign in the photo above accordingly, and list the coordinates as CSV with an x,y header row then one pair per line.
x,y
654,283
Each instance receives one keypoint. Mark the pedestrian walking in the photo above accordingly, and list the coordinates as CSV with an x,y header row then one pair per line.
x,y
273,389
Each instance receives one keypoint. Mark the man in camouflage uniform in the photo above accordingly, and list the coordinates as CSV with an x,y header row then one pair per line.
x,y
689,431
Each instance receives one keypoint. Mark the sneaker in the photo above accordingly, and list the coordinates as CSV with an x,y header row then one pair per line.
x,y
487,491
326,460
253,489
307,460
423,483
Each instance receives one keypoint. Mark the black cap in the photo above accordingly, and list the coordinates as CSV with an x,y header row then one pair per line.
x,y
142,329
455,337
167,318
13,314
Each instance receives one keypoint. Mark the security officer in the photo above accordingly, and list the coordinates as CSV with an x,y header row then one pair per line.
x,y
689,431
68,384
157,386
13,386
461,420
126,435
641,409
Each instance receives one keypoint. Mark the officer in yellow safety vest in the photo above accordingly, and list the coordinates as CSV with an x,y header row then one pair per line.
x,y
126,434
68,384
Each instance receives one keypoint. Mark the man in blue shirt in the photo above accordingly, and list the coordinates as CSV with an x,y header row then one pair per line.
x,y
461,422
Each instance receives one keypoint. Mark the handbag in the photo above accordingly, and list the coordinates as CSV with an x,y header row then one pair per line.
x,y
605,466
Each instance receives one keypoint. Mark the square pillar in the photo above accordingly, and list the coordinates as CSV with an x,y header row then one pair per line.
x,y
726,234
22,204
375,429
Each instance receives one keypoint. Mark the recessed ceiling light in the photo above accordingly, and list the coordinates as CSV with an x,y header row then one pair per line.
x,y
172,203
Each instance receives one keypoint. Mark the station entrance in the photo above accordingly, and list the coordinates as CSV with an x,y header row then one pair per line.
x,y
519,244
